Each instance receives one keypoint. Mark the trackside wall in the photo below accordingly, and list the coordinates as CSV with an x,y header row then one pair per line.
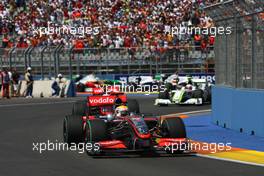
x,y
239,109
42,88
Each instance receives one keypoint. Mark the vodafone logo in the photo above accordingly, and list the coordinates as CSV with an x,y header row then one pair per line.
x,y
102,100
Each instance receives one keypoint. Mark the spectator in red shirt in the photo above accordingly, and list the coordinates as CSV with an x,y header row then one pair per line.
x,y
211,42
5,41
204,45
22,43
79,46
197,41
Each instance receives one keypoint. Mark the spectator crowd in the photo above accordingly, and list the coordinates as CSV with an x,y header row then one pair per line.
x,y
121,23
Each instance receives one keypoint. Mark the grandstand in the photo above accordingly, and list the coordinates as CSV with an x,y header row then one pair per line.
x,y
136,34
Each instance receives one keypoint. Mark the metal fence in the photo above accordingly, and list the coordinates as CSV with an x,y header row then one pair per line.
x,y
49,61
239,56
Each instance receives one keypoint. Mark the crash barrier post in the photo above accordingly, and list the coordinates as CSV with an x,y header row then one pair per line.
x,y
239,109
42,62
43,88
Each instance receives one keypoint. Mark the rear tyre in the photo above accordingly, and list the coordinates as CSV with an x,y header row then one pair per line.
x,y
168,86
80,108
207,95
133,106
197,93
164,95
96,130
73,129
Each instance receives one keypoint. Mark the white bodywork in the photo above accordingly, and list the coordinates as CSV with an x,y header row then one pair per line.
x,y
195,101
177,94
88,78
144,79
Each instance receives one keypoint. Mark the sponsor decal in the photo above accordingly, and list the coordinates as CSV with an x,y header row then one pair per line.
x,y
102,100
97,91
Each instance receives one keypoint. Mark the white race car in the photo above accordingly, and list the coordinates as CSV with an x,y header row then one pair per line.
x,y
197,93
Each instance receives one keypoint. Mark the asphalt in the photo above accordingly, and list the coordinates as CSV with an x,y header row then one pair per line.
x,y
27,121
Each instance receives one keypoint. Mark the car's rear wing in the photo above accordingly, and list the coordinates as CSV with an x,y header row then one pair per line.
x,y
111,90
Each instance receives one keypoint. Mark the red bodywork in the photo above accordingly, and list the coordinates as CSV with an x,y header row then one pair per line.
x,y
158,142
105,104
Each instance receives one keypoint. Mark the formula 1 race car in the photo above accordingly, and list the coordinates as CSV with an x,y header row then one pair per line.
x,y
89,82
182,93
124,131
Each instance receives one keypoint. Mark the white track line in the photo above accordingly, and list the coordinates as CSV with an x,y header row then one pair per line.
x,y
230,160
190,112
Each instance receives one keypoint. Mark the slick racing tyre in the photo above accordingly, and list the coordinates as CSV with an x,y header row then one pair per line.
x,y
80,108
133,106
173,128
198,93
96,130
168,86
73,129
164,95
207,96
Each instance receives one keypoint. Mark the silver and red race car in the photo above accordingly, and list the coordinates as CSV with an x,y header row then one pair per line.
x,y
94,122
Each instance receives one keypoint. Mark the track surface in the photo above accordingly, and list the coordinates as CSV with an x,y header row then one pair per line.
x,y
24,121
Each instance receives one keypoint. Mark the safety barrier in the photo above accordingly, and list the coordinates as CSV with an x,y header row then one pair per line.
x,y
48,61
239,109
43,88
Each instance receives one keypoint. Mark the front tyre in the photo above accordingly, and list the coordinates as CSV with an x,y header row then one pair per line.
x,y
73,129
173,128
96,131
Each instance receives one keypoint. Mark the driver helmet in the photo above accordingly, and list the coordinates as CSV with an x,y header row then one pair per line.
x,y
189,87
121,111
175,81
